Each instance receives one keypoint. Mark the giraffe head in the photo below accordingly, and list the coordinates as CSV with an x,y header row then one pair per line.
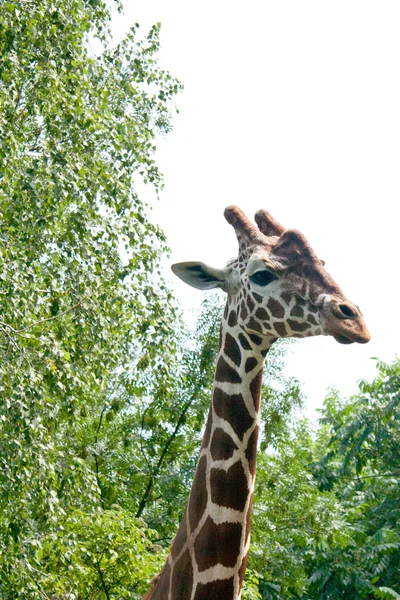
x,y
277,286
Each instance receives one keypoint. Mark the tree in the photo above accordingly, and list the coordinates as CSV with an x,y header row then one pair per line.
x,y
292,519
106,555
325,522
362,466
150,436
81,293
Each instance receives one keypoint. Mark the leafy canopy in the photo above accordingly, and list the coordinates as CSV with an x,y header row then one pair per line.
x,y
81,293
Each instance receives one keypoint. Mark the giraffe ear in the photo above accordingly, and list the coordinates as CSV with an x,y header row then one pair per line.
x,y
200,276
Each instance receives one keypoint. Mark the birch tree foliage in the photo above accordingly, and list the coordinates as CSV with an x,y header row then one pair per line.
x,y
81,293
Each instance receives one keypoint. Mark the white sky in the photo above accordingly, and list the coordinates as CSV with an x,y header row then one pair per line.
x,y
293,107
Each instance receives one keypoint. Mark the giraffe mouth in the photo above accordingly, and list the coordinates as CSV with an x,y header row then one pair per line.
x,y
342,339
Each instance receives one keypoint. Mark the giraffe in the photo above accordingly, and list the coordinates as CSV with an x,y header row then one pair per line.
x,y
276,287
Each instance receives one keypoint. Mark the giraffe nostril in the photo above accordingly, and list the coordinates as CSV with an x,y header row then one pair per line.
x,y
346,311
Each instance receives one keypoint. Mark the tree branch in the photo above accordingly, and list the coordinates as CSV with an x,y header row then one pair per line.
x,y
157,468
203,363
61,314
396,474
103,583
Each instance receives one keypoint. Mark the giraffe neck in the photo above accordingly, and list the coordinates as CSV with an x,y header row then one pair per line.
x,y
209,553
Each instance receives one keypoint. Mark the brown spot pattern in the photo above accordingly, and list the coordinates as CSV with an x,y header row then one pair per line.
x,y
262,314
229,488
251,451
255,389
233,409
243,312
312,320
280,328
250,364
297,311
182,577
250,303
244,342
222,445
232,320
232,349
217,544
276,308
225,373
254,325
255,339
198,495
286,297
296,326
221,589
226,310
258,298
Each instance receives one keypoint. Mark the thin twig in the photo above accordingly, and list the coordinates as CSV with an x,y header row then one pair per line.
x,y
61,314
373,476
160,461
103,583
13,343
155,472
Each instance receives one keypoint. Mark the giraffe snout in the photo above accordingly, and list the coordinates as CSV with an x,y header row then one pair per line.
x,y
345,310
345,322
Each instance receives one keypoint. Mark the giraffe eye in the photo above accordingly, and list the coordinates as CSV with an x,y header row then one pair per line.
x,y
262,277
